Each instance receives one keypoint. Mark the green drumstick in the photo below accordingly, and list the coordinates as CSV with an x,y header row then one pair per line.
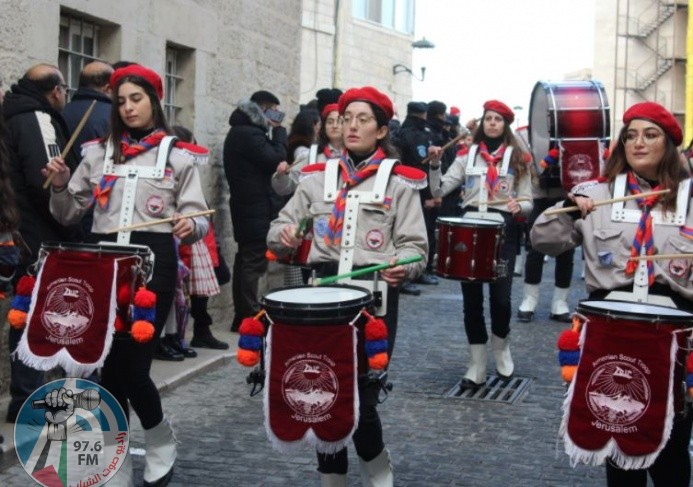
x,y
366,270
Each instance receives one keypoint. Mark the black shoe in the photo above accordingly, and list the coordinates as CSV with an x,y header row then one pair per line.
x,y
162,482
525,316
208,341
411,289
563,317
177,345
427,279
165,352
469,384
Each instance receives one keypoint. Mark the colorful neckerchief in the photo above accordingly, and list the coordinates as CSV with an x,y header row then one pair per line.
x,y
686,232
102,191
491,161
330,152
351,178
643,234
128,151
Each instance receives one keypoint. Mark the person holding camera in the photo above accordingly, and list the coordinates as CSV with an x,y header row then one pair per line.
x,y
254,147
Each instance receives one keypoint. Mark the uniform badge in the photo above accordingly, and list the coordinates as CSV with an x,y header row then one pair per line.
x,y
155,205
606,259
679,270
503,187
421,149
375,239
320,227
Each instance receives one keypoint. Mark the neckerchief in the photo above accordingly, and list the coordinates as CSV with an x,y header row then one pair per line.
x,y
643,234
491,161
330,152
351,178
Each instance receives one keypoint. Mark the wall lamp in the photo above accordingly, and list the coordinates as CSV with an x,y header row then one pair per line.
x,y
401,68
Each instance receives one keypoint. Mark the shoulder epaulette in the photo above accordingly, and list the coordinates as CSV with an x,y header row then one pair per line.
x,y
312,168
411,176
89,144
464,150
200,154
585,185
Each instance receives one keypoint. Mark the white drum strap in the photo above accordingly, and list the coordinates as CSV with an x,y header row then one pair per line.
x,y
480,172
313,154
132,174
621,214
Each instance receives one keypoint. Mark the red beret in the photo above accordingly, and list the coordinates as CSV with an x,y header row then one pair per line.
x,y
501,108
654,112
367,94
141,72
331,107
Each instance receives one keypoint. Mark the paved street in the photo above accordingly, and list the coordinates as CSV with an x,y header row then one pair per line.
x,y
434,440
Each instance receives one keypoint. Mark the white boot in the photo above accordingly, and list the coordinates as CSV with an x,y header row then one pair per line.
x,y
377,472
333,480
517,271
559,305
529,303
501,354
476,372
124,475
160,456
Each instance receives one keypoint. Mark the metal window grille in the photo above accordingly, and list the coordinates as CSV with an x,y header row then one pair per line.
x,y
173,79
78,45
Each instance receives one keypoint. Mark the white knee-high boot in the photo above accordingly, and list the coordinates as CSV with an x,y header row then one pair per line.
x,y
529,303
333,480
160,456
501,354
478,357
377,472
559,305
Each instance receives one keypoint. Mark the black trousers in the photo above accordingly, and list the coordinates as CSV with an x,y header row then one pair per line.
x,y
248,267
534,263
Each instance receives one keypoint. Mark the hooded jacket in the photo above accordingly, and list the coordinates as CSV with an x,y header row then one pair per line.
x,y
34,130
250,159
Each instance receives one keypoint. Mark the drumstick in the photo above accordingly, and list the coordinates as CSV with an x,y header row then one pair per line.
x,y
365,270
568,209
159,222
662,257
503,202
446,146
71,142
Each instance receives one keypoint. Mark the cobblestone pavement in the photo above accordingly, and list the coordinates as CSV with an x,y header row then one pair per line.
x,y
433,440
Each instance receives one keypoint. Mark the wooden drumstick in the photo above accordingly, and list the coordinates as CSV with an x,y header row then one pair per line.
x,y
568,209
159,222
662,257
505,202
72,140
427,159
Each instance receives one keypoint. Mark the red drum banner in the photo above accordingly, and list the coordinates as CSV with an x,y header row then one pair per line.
x,y
311,395
620,404
70,322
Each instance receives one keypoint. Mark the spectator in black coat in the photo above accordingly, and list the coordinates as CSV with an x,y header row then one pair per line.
x,y
253,148
436,120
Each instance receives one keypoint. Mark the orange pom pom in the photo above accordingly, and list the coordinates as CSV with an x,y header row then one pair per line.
x,y
142,331
270,256
119,324
690,392
568,340
145,298
568,372
17,319
251,326
376,329
25,285
378,361
248,358
123,298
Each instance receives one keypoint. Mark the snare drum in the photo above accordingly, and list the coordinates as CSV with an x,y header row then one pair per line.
x,y
469,249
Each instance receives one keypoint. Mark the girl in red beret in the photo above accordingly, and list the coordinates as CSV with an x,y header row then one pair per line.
x,y
384,228
495,168
138,127
613,236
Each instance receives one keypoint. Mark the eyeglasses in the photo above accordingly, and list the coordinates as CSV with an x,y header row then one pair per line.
x,y
333,121
362,119
648,138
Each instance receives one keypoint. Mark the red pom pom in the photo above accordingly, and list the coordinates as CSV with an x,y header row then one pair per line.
x,y
270,256
16,319
569,340
251,326
689,363
568,372
124,295
142,331
119,324
378,361
145,298
554,153
25,285
376,329
248,358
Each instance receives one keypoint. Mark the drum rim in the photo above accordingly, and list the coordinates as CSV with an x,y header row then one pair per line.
x,y
582,306
364,300
460,219
111,248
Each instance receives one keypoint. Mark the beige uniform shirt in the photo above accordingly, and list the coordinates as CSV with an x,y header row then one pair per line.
x,y
384,231
456,174
607,244
179,191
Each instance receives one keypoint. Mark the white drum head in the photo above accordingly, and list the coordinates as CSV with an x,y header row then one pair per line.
x,y
316,295
639,311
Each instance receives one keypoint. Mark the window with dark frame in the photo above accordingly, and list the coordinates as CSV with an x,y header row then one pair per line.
x,y
78,45
172,84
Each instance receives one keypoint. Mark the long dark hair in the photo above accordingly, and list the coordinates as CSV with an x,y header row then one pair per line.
x,y
302,131
517,159
117,124
670,171
9,216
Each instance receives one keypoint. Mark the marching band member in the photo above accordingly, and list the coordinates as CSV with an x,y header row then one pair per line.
x,y
331,142
138,126
494,168
384,232
644,159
